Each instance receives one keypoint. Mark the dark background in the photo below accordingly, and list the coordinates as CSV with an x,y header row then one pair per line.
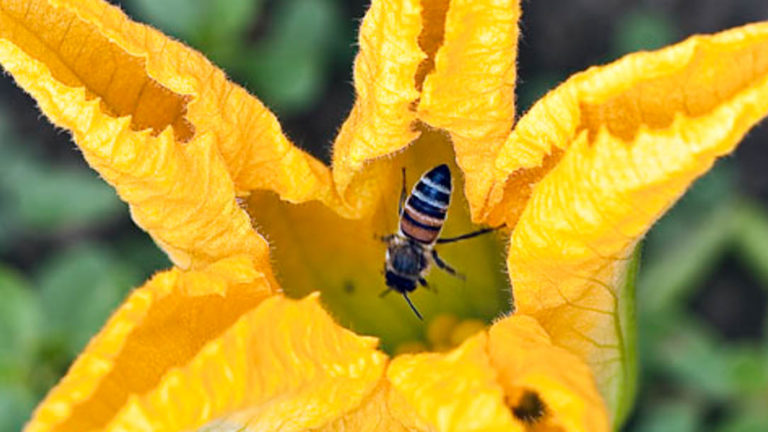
x,y
69,252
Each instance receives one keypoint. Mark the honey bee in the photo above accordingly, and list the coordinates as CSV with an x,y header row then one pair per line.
x,y
410,251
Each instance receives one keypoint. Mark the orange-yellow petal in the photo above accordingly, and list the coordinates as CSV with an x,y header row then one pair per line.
x,y
382,119
161,326
457,391
617,145
471,91
284,365
178,356
373,415
158,121
526,361
645,89
247,136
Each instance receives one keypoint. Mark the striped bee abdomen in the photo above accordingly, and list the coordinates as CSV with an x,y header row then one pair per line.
x,y
424,212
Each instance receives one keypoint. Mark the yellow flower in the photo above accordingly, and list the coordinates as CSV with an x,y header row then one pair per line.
x,y
214,343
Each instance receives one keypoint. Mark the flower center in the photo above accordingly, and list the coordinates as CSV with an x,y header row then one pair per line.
x,y
315,249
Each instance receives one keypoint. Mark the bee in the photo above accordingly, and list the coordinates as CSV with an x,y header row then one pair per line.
x,y
410,251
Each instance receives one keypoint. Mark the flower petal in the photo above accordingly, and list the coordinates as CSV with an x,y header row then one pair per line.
x,y
521,351
177,356
246,134
450,392
382,119
372,415
646,89
158,121
285,365
471,91
161,326
620,143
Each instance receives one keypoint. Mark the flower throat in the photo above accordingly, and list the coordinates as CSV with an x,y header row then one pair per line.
x,y
315,249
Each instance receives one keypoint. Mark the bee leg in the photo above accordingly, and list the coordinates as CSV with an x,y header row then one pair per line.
x,y
402,196
385,292
386,238
424,283
413,308
445,267
468,235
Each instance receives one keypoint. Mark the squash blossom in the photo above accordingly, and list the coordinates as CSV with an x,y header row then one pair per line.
x,y
270,318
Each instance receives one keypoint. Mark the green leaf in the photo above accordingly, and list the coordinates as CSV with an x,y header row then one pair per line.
x,y
62,198
747,419
670,275
79,289
230,19
36,195
696,359
20,318
222,31
16,404
751,238
180,18
140,253
716,189
681,249
198,21
747,370
643,30
288,68
671,416
287,82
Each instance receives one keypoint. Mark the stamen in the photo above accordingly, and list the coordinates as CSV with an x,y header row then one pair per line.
x,y
465,329
447,331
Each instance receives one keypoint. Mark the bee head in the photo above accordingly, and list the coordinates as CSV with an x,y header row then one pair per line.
x,y
399,283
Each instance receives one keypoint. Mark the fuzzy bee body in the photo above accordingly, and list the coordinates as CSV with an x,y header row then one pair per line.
x,y
422,218
410,251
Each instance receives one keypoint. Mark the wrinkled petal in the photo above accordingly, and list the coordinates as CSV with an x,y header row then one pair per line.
x,y
526,361
450,392
158,121
285,365
646,89
616,146
382,119
471,91
247,136
373,415
161,326
449,64
267,364
478,385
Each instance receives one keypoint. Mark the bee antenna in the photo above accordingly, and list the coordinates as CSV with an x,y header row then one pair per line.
x,y
412,306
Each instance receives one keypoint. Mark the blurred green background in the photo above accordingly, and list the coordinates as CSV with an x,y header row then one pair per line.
x,y
69,252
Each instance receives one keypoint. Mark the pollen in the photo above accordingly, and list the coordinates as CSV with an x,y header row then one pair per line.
x,y
465,329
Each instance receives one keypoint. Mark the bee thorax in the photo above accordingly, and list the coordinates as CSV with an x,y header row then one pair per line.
x,y
407,259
